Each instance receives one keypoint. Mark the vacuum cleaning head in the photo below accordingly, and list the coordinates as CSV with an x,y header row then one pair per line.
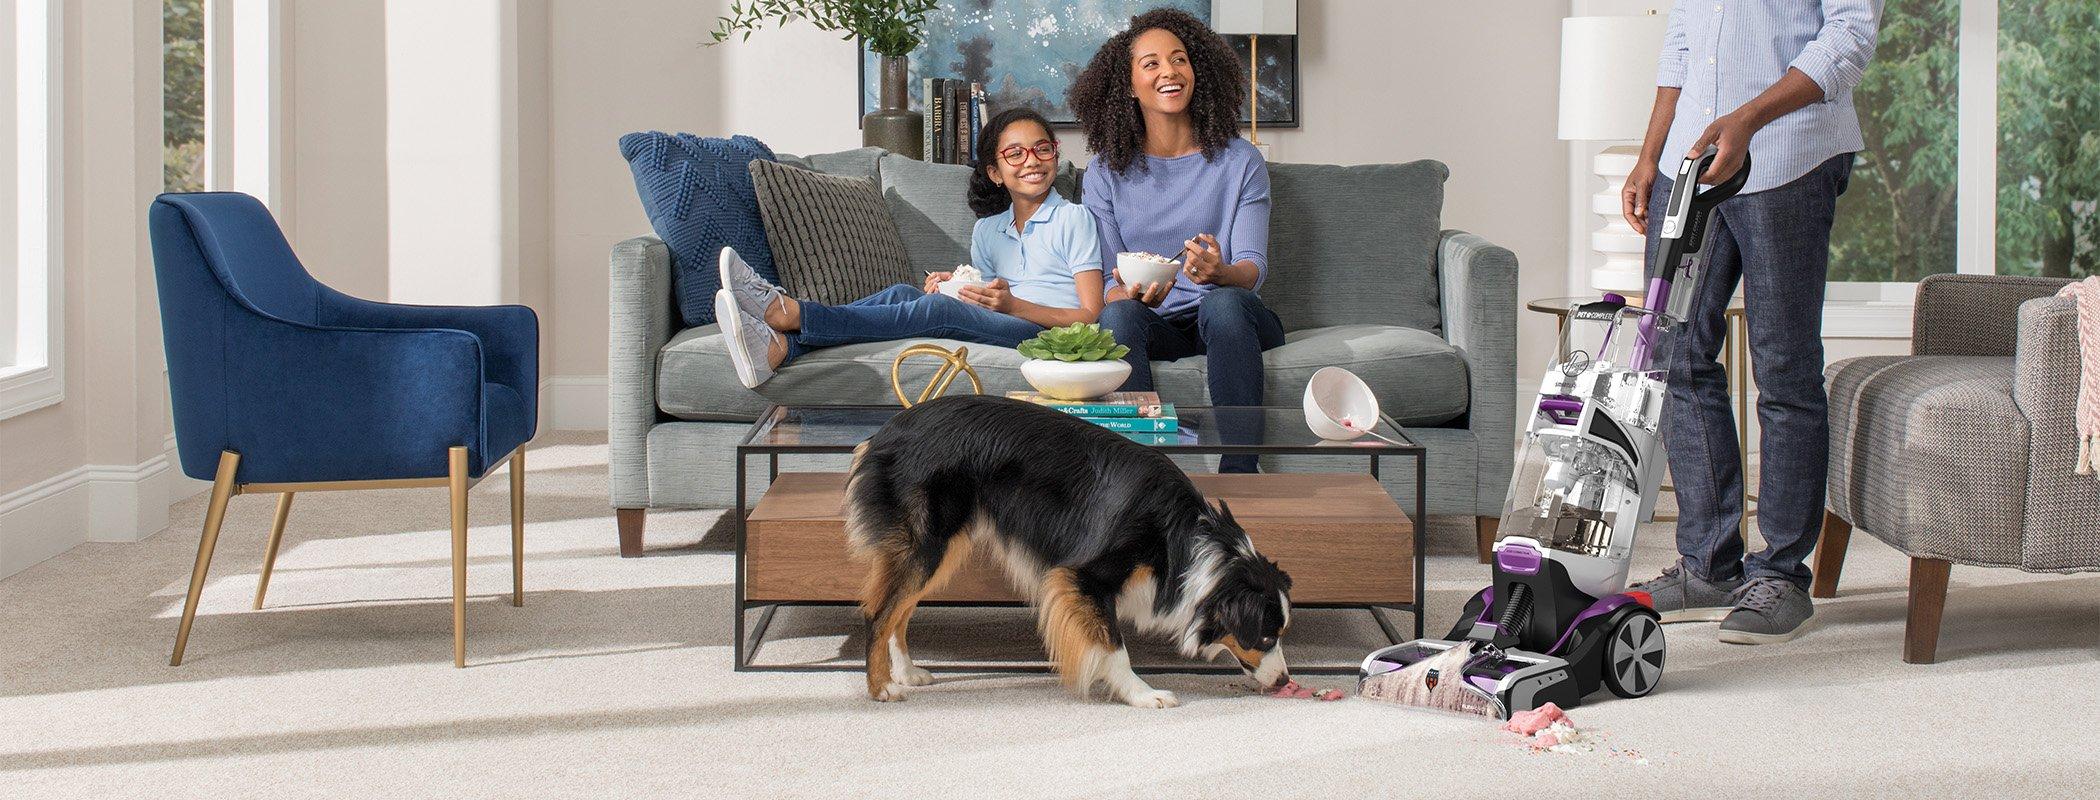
x,y
1464,677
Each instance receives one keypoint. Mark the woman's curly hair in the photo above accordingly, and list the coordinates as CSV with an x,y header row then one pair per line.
x,y
988,198
1115,129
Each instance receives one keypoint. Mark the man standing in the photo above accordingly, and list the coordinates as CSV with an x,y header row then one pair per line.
x,y
1773,78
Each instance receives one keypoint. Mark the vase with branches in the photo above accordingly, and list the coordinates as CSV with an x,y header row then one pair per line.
x,y
890,28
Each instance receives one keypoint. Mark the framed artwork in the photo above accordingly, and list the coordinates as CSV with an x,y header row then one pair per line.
x,y
1026,53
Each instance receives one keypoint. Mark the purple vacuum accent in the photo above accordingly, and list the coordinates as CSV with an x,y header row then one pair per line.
x,y
1560,404
1604,606
1487,604
1614,297
1518,558
1658,300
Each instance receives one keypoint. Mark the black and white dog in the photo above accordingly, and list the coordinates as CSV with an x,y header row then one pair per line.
x,y
1090,525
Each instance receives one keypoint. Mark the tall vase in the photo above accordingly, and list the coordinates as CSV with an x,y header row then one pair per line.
x,y
894,126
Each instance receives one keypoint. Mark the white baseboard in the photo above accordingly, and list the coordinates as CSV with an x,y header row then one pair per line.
x,y
89,503
573,402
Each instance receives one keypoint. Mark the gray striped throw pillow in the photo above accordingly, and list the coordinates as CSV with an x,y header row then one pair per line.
x,y
832,236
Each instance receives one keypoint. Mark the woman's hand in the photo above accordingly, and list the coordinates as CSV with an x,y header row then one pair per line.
x,y
994,296
1151,294
1633,200
933,280
1202,260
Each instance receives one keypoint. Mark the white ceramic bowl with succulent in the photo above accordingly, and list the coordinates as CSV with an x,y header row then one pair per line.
x,y
1079,361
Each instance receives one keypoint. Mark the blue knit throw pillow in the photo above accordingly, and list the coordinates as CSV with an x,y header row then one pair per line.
x,y
697,193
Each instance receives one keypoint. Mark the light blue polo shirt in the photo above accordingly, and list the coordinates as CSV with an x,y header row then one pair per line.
x,y
1038,262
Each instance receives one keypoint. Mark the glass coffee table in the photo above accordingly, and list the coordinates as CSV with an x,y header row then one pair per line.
x,y
1344,540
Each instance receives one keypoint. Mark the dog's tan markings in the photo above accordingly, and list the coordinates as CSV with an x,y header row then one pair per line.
x,y
1138,578
1251,658
1074,632
893,590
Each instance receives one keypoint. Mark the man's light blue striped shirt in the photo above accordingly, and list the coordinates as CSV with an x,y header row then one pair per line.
x,y
1724,53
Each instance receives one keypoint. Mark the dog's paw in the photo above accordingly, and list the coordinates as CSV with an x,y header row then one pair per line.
x,y
889,693
917,676
1153,698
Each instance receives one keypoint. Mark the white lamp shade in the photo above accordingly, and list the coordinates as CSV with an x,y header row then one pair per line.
x,y
1265,17
1607,75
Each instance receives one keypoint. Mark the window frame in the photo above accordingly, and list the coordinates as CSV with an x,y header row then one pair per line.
x,y
33,373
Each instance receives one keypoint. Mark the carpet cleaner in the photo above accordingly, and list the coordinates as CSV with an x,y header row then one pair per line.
x,y
1557,622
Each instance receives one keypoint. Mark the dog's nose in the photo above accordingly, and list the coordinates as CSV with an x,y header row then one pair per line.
x,y
1281,681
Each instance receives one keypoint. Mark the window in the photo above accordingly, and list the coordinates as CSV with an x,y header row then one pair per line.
x,y
1896,219
2004,178
30,303
2048,138
182,95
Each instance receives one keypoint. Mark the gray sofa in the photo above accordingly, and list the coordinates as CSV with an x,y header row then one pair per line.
x,y
1361,274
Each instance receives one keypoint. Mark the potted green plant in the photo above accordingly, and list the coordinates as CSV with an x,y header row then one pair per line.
x,y
1079,361
890,28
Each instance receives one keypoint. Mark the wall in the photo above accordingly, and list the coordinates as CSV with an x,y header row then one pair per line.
x,y
1372,91
95,466
338,153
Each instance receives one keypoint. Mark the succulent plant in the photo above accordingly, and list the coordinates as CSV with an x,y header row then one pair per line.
x,y
1079,341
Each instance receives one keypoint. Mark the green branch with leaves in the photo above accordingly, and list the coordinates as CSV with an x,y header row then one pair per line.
x,y
890,27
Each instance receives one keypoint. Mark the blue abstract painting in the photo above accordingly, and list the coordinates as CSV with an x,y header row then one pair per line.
x,y
1026,52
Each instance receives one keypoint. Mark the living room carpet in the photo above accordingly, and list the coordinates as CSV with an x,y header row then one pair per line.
x,y
614,680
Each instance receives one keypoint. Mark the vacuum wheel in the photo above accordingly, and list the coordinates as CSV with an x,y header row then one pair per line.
x,y
1633,656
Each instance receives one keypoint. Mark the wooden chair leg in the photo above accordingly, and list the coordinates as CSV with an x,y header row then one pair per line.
x,y
517,528
457,459
630,520
222,487
1830,555
284,512
1484,531
1928,597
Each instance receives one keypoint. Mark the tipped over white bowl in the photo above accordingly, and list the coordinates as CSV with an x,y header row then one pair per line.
x,y
1339,406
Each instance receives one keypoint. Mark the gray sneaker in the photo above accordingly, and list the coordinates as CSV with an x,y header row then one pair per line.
x,y
748,339
1768,610
754,294
1681,596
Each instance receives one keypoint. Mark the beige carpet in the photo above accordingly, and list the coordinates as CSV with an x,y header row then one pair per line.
x,y
614,681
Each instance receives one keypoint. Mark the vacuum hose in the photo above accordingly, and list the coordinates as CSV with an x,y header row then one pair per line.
x,y
1516,611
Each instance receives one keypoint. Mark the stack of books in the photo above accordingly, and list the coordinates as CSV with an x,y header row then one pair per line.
x,y
1139,416
955,110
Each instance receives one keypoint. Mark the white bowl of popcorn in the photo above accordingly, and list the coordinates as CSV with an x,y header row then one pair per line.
x,y
1139,269
963,275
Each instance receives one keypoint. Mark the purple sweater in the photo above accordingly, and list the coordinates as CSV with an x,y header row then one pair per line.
x,y
1155,211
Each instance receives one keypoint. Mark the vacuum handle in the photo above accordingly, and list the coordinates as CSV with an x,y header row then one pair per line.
x,y
1685,195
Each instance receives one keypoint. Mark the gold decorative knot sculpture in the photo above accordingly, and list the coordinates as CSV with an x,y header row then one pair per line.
x,y
952,362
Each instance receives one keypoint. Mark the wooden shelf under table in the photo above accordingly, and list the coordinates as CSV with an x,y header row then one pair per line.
x,y
1339,535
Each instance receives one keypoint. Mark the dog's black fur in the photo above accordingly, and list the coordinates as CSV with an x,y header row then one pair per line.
x,y
1084,519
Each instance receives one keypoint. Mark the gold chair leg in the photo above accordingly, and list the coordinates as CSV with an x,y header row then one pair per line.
x,y
284,511
221,491
457,458
517,528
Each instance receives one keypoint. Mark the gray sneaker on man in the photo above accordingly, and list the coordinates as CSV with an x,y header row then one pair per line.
x,y
1681,596
1768,610
749,340
754,294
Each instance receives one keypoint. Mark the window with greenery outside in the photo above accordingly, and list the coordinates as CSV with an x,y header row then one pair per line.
x,y
182,95
2048,138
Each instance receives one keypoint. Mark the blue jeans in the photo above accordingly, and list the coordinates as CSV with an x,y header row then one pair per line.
x,y
1777,244
905,312
1231,327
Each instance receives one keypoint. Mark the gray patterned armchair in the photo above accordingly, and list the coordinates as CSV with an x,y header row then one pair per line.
x,y
1963,451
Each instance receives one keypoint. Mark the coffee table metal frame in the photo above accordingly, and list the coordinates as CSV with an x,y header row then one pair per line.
x,y
747,644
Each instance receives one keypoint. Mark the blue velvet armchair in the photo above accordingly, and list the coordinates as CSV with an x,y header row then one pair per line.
x,y
281,385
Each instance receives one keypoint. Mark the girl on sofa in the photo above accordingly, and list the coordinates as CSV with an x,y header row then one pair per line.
x,y
1038,251
1160,105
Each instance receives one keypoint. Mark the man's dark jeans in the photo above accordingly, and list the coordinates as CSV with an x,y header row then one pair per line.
x,y
1231,326
1777,244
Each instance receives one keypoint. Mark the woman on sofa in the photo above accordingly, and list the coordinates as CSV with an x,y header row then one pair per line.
x,y
1160,107
1038,252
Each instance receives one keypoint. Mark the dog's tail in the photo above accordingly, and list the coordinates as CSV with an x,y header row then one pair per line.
x,y
861,532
